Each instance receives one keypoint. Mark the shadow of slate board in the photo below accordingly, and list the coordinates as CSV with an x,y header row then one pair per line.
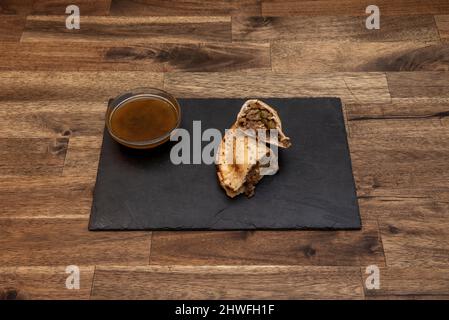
x,y
313,189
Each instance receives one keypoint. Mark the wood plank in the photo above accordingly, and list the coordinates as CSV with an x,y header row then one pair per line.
x,y
32,283
418,84
432,127
442,22
58,7
23,107
400,149
14,7
131,29
415,233
400,158
411,283
414,229
351,87
416,243
199,57
183,7
32,156
336,248
50,56
72,86
94,56
49,242
352,7
257,282
384,208
344,56
11,28
324,28
46,196
53,125
399,108
418,185
51,119
82,156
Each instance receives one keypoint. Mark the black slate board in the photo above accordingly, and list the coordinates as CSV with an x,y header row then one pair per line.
x,y
314,188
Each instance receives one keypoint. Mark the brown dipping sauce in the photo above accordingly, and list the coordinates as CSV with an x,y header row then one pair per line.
x,y
143,119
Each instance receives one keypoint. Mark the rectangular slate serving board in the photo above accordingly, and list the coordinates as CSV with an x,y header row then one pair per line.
x,y
314,188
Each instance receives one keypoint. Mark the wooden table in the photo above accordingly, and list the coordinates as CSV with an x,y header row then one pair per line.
x,y
55,82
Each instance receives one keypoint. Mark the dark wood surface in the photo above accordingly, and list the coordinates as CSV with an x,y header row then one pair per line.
x,y
54,85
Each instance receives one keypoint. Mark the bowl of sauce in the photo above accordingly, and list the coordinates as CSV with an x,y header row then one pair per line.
x,y
143,118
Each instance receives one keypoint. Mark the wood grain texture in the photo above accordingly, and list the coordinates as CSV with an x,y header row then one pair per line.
x,y
343,248
82,156
344,56
11,28
419,85
399,108
46,197
58,7
135,29
419,243
51,119
351,87
14,7
442,22
414,229
31,283
399,150
198,57
412,283
49,56
54,86
400,157
352,7
34,156
307,28
93,56
49,242
257,282
185,7
72,86
417,236
433,127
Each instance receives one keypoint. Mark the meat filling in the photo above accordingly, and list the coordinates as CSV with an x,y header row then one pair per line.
x,y
252,179
256,118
